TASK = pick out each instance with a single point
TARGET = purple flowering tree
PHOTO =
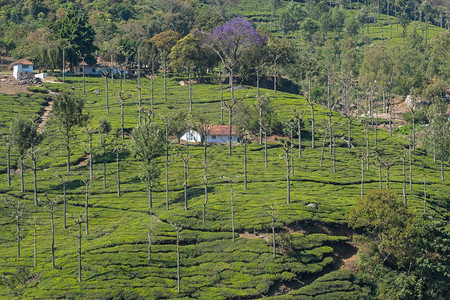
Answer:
(230, 40)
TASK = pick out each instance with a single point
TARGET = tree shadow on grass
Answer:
(192, 193)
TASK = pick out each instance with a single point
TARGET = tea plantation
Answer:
(115, 259)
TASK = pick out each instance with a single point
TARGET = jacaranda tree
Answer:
(230, 40)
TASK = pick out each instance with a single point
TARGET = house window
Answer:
(24, 67)
(213, 137)
(93, 70)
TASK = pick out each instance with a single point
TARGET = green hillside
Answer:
(114, 254)
(300, 230)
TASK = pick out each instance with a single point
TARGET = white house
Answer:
(96, 69)
(219, 134)
(191, 136)
(22, 65)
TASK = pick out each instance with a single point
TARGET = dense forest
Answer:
(336, 189)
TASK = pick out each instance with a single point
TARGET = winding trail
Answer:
(45, 116)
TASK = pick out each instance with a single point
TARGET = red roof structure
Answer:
(222, 130)
(23, 61)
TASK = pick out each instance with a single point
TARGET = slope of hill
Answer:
(115, 252)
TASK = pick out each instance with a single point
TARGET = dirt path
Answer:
(45, 116)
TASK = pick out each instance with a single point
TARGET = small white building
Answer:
(22, 65)
(220, 133)
(97, 69)
(217, 134)
(191, 136)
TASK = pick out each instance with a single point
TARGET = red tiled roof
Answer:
(222, 130)
(22, 61)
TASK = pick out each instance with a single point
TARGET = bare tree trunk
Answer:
(292, 150)
(349, 135)
(122, 117)
(152, 81)
(106, 90)
(424, 194)
(104, 166)
(84, 82)
(323, 145)
(185, 185)
(299, 138)
(91, 175)
(387, 176)
(149, 246)
(35, 245)
(86, 207)
(328, 90)
(380, 178)
(367, 146)
(178, 261)
(260, 123)
(331, 138)
(334, 151)
(390, 116)
(404, 182)
(442, 165)
(79, 251)
(8, 163)
(265, 147)
(245, 166)
(18, 228)
(165, 81)
(118, 173)
(112, 70)
(64, 204)
(362, 177)
(288, 200)
(190, 89)
(413, 130)
(257, 84)
(205, 165)
(273, 233)
(139, 103)
(232, 210)
(434, 151)
(149, 191)
(64, 65)
(410, 167)
(21, 174)
(167, 166)
(231, 84)
(376, 132)
(68, 150)
(312, 113)
(53, 238)
(33, 156)
(221, 94)
(275, 77)
(230, 116)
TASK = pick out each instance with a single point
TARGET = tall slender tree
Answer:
(22, 132)
(147, 144)
(51, 208)
(68, 112)
(104, 128)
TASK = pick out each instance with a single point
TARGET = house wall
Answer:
(21, 68)
(192, 137)
(220, 139)
(96, 70)
(16, 70)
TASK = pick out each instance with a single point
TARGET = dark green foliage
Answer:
(17, 281)
(75, 28)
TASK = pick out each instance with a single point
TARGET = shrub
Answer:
(37, 89)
